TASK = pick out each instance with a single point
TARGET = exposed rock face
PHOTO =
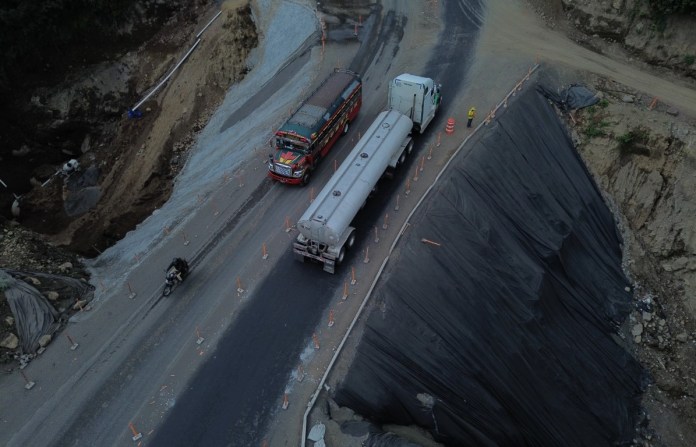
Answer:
(644, 161)
(668, 42)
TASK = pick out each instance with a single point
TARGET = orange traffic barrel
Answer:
(449, 128)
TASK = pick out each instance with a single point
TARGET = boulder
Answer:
(33, 280)
(9, 320)
(44, 340)
(317, 432)
(80, 305)
(637, 330)
(10, 341)
(64, 267)
(52, 295)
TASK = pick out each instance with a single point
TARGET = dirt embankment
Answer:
(641, 28)
(642, 154)
(127, 165)
(131, 163)
(640, 31)
(643, 157)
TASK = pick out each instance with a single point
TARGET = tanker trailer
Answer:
(325, 228)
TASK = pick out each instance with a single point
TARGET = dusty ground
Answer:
(642, 156)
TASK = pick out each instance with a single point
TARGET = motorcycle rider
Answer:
(179, 268)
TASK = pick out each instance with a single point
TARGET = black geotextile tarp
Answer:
(501, 335)
(573, 97)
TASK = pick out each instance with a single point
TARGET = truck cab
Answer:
(416, 97)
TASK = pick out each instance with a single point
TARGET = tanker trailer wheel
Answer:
(351, 240)
(409, 148)
(402, 158)
(341, 255)
(346, 127)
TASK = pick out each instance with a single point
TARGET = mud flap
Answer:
(329, 266)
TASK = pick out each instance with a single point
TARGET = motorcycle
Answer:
(173, 279)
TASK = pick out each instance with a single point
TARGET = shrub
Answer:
(634, 141)
(596, 122)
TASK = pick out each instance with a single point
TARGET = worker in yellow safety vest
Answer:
(470, 116)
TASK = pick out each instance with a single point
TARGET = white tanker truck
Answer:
(325, 228)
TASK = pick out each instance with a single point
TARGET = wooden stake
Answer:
(73, 344)
(136, 435)
(28, 384)
(300, 373)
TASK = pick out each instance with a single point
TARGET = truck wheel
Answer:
(305, 178)
(409, 148)
(402, 158)
(346, 127)
(341, 255)
(351, 240)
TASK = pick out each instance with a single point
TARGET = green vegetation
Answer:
(669, 7)
(635, 141)
(596, 120)
(661, 9)
(689, 59)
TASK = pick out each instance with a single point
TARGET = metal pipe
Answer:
(167, 77)
(209, 23)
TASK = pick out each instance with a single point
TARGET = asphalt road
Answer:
(181, 393)
(233, 394)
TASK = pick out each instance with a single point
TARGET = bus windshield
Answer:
(288, 144)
